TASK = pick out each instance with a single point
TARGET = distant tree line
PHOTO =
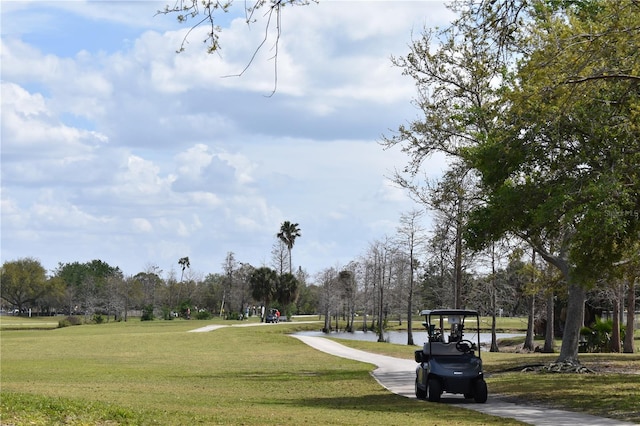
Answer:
(389, 283)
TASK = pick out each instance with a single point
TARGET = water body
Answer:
(400, 337)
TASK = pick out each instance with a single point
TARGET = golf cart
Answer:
(273, 316)
(448, 363)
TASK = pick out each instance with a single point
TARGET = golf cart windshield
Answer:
(451, 325)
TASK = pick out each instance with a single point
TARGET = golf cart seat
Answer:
(439, 348)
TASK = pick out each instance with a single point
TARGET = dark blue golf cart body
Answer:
(448, 361)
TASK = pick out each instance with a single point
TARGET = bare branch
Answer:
(187, 10)
(574, 80)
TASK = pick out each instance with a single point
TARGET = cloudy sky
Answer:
(115, 147)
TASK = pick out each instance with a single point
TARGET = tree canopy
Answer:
(23, 282)
(563, 162)
(288, 233)
(541, 101)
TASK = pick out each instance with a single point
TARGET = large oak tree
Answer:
(541, 99)
(562, 162)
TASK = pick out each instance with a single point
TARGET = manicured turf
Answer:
(158, 373)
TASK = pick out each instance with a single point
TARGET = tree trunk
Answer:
(628, 346)
(494, 340)
(577, 296)
(494, 307)
(327, 321)
(528, 340)
(573, 323)
(409, 314)
(615, 328)
(457, 296)
(549, 330)
(381, 337)
(380, 312)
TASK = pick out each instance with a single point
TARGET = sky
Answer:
(116, 147)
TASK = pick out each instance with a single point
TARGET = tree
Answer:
(288, 234)
(561, 162)
(540, 99)
(631, 274)
(493, 282)
(242, 292)
(628, 344)
(458, 98)
(450, 199)
(379, 257)
(347, 284)
(210, 291)
(229, 266)
(23, 282)
(531, 290)
(263, 283)
(308, 299)
(279, 256)
(287, 288)
(411, 236)
(327, 280)
(184, 264)
(118, 293)
(150, 283)
(87, 284)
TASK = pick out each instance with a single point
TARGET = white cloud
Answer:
(120, 149)
(140, 224)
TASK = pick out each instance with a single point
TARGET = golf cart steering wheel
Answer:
(464, 346)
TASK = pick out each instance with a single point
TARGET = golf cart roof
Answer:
(444, 312)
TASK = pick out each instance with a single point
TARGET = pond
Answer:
(400, 337)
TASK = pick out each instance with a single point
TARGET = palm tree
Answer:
(288, 234)
(263, 285)
(184, 262)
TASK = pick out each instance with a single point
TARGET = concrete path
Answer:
(398, 376)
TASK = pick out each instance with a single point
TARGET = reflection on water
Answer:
(400, 337)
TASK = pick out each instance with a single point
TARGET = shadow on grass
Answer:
(449, 408)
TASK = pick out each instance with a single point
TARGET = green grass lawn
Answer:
(10, 322)
(613, 391)
(156, 372)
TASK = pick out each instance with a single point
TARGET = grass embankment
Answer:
(156, 372)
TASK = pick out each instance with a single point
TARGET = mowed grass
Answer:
(613, 391)
(11, 322)
(159, 373)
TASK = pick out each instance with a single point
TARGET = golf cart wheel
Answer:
(434, 390)
(420, 393)
(480, 392)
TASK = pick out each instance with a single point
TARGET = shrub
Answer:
(98, 318)
(203, 315)
(167, 314)
(598, 337)
(147, 313)
(69, 321)
(233, 316)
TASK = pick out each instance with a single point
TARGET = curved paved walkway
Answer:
(398, 375)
